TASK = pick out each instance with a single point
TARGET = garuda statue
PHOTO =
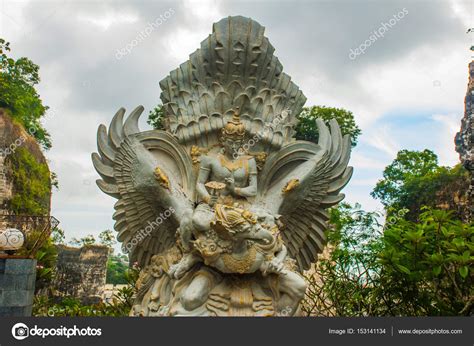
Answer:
(223, 209)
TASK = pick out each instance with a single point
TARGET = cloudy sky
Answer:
(406, 90)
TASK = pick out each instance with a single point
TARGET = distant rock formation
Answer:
(465, 138)
(81, 272)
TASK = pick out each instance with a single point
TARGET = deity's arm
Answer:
(204, 172)
(281, 255)
(251, 189)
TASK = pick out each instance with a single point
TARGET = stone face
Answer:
(81, 272)
(17, 286)
(465, 137)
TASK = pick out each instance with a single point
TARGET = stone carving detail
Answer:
(465, 138)
(229, 242)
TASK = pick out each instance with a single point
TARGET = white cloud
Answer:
(449, 125)
(380, 137)
(368, 182)
(464, 10)
(107, 19)
(360, 161)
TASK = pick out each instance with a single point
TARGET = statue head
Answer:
(232, 134)
(233, 222)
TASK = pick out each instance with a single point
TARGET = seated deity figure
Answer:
(236, 171)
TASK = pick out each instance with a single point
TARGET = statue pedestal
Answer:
(226, 294)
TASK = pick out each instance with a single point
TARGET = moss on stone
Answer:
(31, 184)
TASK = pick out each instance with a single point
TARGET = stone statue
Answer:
(223, 209)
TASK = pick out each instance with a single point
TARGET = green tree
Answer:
(407, 165)
(18, 94)
(404, 268)
(57, 236)
(414, 180)
(87, 240)
(156, 117)
(445, 188)
(342, 282)
(426, 266)
(46, 258)
(107, 238)
(308, 131)
(117, 267)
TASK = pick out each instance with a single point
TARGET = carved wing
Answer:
(300, 182)
(151, 176)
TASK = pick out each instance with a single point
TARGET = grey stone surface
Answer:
(31, 280)
(17, 298)
(17, 311)
(17, 287)
(19, 266)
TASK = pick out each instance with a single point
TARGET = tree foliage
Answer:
(156, 118)
(308, 131)
(446, 188)
(84, 241)
(405, 268)
(427, 266)
(414, 180)
(107, 238)
(339, 284)
(18, 94)
(117, 267)
(407, 165)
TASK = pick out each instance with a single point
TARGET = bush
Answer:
(405, 268)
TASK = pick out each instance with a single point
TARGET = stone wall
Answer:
(17, 286)
(465, 138)
(81, 272)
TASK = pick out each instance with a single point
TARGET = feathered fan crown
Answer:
(235, 67)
